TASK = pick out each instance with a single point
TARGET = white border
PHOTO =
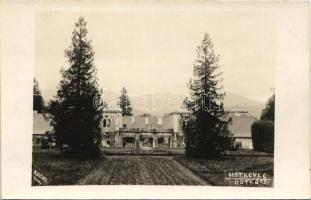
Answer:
(292, 154)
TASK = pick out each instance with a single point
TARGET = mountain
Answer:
(237, 101)
(233, 99)
(159, 104)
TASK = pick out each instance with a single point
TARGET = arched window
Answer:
(108, 123)
(105, 123)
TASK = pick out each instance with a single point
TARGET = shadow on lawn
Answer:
(61, 169)
(215, 171)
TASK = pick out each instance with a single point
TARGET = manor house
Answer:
(147, 131)
(143, 131)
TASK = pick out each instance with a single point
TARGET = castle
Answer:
(143, 131)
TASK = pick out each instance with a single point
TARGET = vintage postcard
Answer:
(141, 93)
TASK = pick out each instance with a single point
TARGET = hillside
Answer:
(161, 103)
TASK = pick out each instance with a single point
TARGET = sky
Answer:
(155, 50)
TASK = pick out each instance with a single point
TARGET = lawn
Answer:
(146, 169)
(214, 171)
(61, 170)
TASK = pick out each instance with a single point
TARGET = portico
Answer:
(146, 139)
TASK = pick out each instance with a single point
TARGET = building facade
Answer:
(41, 126)
(142, 131)
(240, 129)
(147, 131)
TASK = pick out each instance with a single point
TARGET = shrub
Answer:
(263, 135)
(45, 143)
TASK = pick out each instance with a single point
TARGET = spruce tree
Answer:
(38, 101)
(125, 103)
(206, 129)
(75, 117)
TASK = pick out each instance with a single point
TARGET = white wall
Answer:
(246, 143)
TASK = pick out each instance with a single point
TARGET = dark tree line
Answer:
(38, 101)
(268, 111)
(263, 129)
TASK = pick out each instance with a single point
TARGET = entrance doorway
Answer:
(163, 142)
(128, 142)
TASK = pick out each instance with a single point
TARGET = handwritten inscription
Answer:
(39, 178)
(248, 179)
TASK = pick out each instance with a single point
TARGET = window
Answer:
(146, 120)
(160, 121)
(106, 123)
(124, 125)
(237, 114)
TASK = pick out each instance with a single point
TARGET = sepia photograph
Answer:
(154, 98)
(140, 99)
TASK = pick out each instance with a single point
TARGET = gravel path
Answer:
(141, 170)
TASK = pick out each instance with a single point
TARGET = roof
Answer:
(237, 109)
(140, 122)
(180, 112)
(241, 126)
(113, 110)
(40, 125)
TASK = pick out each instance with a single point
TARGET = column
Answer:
(170, 141)
(137, 141)
(120, 141)
(156, 141)
(175, 140)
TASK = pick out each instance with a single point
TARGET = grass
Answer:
(147, 169)
(61, 170)
(214, 171)
(112, 170)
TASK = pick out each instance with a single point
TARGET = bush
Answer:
(88, 146)
(263, 135)
(45, 143)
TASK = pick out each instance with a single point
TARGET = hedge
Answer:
(263, 135)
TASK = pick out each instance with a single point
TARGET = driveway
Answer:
(141, 170)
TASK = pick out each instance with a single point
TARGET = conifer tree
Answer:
(125, 103)
(206, 129)
(38, 101)
(74, 117)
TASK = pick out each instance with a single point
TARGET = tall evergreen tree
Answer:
(38, 101)
(206, 129)
(74, 117)
(125, 103)
(268, 112)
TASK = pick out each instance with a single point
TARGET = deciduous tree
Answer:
(268, 112)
